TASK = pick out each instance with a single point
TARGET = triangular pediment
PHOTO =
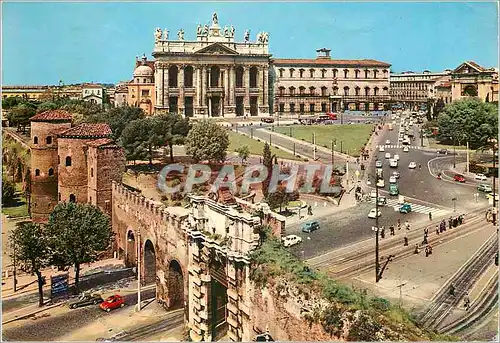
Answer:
(467, 68)
(216, 49)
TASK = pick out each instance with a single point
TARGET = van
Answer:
(310, 227)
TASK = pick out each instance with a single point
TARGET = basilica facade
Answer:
(214, 75)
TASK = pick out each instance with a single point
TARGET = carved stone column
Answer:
(197, 86)
(203, 90)
(180, 99)
(246, 86)
(263, 92)
(165, 88)
(158, 86)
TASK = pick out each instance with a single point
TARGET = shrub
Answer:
(380, 304)
(8, 191)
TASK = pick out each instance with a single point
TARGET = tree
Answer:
(10, 102)
(468, 120)
(243, 153)
(177, 130)
(267, 161)
(438, 108)
(20, 115)
(117, 118)
(77, 234)
(47, 105)
(29, 248)
(8, 191)
(140, 137)
(207, 141)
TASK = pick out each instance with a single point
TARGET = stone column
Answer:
(203, 89)
(266, 87)
(232, 85)
(158, 85)
(165, 88)
(246, 86)
(197, 88)
(180, 99)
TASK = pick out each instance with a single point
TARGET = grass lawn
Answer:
(237, 140)
(433, 143)
(19, 208)
(353, 137)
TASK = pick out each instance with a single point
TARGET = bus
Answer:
(325, 118)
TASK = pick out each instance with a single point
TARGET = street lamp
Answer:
(334, 141)
(454, 154)
(454, 204)
(376, 229)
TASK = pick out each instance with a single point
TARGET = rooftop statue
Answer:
(165, 34)
(157, 34)
(215, 19)
(199, 30)
(205, 30)
(232, 31)
(247, 36)
(180, 34)
(226, 31)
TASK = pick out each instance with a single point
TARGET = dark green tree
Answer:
(8, 191)
(207, 141)
(29, 247)
(47, 105)
(117, 118)
(243, 153)
(77, 233)
(10, 102)
(267, 161)
(20, 115)
(468, 120)
(177, 130)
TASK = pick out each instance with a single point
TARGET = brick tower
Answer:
(44, 161)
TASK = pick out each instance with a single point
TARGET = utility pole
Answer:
(454, 154)
(269, 139)
(377, 264)
(340, 146)
(333, 154)
(467, 146)
(421, 137)
(14, 263)
(138, 271)
(251, 132)
(400, 286)
(294, 149)
(314, 146)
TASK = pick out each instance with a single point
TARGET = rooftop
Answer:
(319, 61)
(101, 142)
(52, 115)
(88, 130)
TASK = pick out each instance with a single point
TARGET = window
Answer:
(51, 172)
(253, 77)
(48, 140)
(346, 90)
(282, 91)
(145, 92)
(312, 91)
(356, 90)
(37, 172)
(356, 73)
(367, 73)
(375, 91)
(323, 73)
(291, 72)
(323, 107)
(302, 90)
(68, 161)
(335, 90)
(302, 108)
(335, 73)
(90, 200)
(58, 159)
(311, 108)
(375, 72)
(301, 73)
(311, 72)
(59, 196)
(367, 90)
(281, 72)
(72, 198)
(323, 91)
(35, 140)
(239, 76)
(91, 172)
(282, 107)
(292, 107)
(346, 73)
(292, 90)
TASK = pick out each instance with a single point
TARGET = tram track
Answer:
(443, 302)
(347, 262)
(478, 312)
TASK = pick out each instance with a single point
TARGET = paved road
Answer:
(53, 327)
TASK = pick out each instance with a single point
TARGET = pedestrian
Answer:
(417, 249)
(382, 232)
(407, 224)
(452, 290)
(450, 222)
(430, 249)
(430, 215)
(426, 232)
(309, 210)
(424, 242)
(426, 251)
(466, 301)
(455, 222)
(437, 230)
(406, 241)
(399, 225)
(460, 220)
(392, 230)
(419, 166)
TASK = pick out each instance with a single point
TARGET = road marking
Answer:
(415, 207)
(399, 146)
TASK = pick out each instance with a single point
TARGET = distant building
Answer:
(141, 90)
(472, 80)
(93, 93)
(121, 95)
(25, 92)
(308, 86)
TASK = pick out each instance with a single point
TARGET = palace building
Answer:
(471, 80)
(214, 75)
(307, 86)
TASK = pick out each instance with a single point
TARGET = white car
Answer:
(400, 139)
(481, 177)
(381, 148)
(392, 179)
(412, 165)
(380, 183)
(395, 174)
(387, 142)
(291, 240)
(387, 155)
(406, 149)
(396, 157)
(373, 194)
(373, 213)
(393, 163)
(378, 164)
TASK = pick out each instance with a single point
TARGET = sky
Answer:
(43, 43)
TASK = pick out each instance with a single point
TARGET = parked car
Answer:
(481, 177)
(381, 148)
(459, 178)
(291, 240)
(373, 213)
(392, 179)
(393, 163)
(373, 194)
(310, 227)
(393, 189)
(396, 157)
(484, 188)
(387, 155)
(112, 302)
(267, 120)
(380, 183)
(378, 164)
(396, 174)
(405, 208)
(387, 142)
(412, 165)
(443, 151)
(85, 300)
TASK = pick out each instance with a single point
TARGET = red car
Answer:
(112, 302)
(459, 178)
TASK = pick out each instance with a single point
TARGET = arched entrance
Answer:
(149, 263)
(470, 90)
(131, 257)
(175, 284)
